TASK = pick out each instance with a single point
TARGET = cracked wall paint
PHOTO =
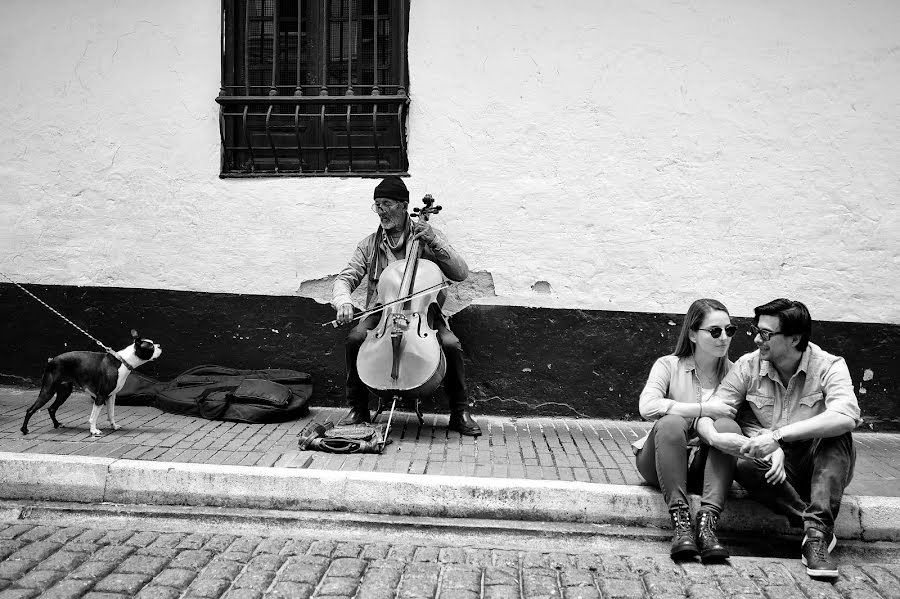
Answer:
(868, 375)
(479, 285)
(625, 157)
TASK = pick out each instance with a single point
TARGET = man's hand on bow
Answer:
(345, 313)
(761, 445)
(422, 230)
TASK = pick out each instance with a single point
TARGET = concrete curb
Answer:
(94, 480)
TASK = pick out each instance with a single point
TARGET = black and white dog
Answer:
(98, 373)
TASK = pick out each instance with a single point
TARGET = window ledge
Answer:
(226, 100)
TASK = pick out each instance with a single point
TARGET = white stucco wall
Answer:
(633, 155)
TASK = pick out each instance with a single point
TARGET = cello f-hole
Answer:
(422, 328)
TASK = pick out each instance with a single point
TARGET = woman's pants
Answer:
(663, 462)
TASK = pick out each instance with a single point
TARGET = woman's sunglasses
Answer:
(716, 332)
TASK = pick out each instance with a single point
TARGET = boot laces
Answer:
(682, 521)
(708, 523)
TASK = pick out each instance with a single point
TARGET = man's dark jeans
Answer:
(454, 379)
(818, 471)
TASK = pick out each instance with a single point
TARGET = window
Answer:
(313, 87)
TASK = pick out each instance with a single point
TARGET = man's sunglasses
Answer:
(716, 332)
(763, 334)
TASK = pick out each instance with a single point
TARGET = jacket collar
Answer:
(385, 240)
(767, 369)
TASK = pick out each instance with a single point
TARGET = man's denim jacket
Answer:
(822, 383)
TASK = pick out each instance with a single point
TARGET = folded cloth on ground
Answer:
(351, 438)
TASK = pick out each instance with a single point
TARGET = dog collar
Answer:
(121, 359)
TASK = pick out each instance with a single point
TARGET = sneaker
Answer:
(816, 553)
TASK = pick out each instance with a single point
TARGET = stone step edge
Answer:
(85, 479)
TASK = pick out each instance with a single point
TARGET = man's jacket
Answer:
(374, 253)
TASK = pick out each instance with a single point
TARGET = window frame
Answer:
(275, 127)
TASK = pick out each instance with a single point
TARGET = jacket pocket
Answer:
(812, 399)
(763, 406)
(810, 405)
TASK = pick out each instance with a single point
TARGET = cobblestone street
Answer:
(100, 562)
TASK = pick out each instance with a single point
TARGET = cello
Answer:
(402, 357)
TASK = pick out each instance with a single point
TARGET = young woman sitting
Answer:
(678, 394)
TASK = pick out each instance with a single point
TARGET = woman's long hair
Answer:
(684, 347)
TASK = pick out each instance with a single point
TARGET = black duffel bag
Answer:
(222, 393)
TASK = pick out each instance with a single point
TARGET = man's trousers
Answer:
(818, 471)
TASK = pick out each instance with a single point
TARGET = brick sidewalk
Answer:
(595, 451)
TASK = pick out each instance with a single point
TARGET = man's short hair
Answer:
(793, 318)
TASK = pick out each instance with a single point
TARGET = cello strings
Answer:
(437, 286)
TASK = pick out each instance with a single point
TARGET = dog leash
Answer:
(108, 349)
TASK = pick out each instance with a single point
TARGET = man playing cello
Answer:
(386, 245)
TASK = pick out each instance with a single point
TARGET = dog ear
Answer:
(134, 335)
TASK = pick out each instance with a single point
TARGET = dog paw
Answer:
(95, 432)
(114, 426)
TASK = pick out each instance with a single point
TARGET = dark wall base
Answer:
(520, 361)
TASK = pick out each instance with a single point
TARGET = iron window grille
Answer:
(313, 88)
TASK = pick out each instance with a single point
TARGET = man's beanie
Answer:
(392, 188)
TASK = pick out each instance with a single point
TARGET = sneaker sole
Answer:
(819, 573)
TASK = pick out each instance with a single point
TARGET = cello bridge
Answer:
(400, 323)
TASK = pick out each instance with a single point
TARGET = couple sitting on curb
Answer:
(779, 420)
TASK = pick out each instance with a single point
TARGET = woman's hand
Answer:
(715, 408)
(776, 474)
(729, 443)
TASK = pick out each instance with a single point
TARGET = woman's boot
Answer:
(711, 550)
(683, 545)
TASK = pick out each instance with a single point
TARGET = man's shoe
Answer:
(356, 416)
(816, 553)
(711, 550)
(463, 423)
(683, 545)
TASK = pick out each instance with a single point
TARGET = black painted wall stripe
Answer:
(520, 361)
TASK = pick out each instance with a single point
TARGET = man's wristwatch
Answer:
(777, 434)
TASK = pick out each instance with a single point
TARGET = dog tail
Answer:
(49, 370)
